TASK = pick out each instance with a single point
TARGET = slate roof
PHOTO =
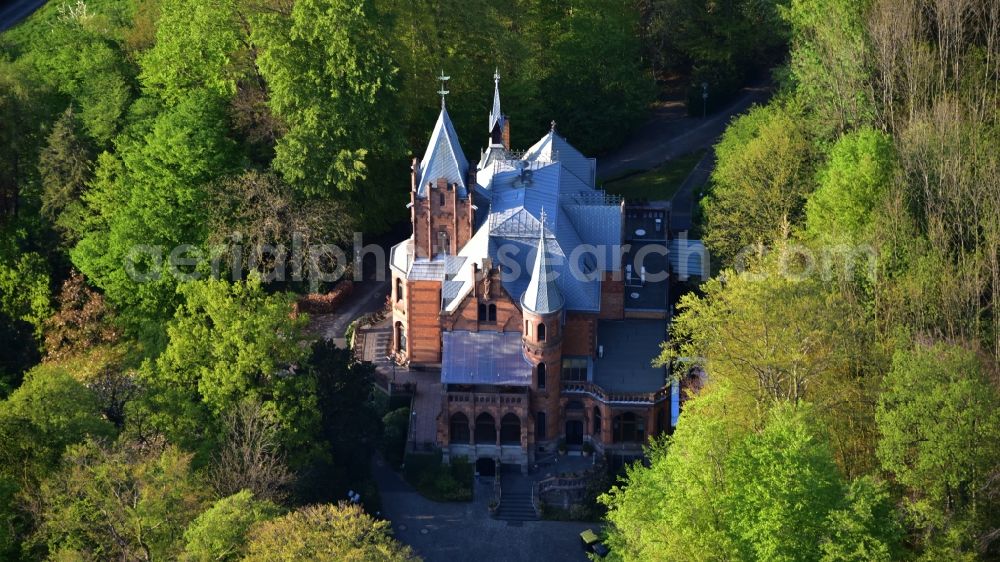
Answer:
(510, 193)
(485, 357)
(542, 296)
(554, 148)
(443, 158)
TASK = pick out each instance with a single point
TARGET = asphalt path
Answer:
(14, 11)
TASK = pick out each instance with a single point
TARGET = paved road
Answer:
(455, 532)
(13, 12)
(669, 134)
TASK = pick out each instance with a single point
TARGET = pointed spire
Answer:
(443, 158)
(542, 295)
(496, 116)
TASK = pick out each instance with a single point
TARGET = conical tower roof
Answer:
(542, 295)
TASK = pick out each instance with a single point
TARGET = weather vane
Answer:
(444, 82)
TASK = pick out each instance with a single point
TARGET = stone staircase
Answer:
(515, 499)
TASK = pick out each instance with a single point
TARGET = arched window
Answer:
(400, 338)
(441, 199)
(510, 430)
(482, 312)
(540, 426)
(597, 421)
(541, 331)
(541, 375)
(492, 313)
(486, 429)
(459, 431)
(399, 289)
(527, 329)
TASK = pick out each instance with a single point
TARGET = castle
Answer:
(513, 286)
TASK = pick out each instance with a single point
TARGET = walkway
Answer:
(668, 134)
(16, 11)
(449, 532)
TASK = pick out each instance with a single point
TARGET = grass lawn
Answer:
(657, 184)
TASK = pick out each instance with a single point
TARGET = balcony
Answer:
(632, 398)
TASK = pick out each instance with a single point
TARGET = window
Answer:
(541, 375)
(574, 369)
(628, 428)
(540, 426)
(486, 429)
(527, 329)
(399, 289)
(441, 199)
(597, 421)
(443, 242)
(492, 313)
(459, 428)
(482, 312)
(541, 331)
(510, 430)
(400, 338)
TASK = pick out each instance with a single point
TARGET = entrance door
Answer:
(574, 432)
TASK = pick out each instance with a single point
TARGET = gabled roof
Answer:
(443, 158)
(542, 295)
(554, 148)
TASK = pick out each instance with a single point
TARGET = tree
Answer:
(866, 528)
(64, 167)
(80, 59)
(148, 200)
(673, 509)
(939, 420)
(250, 457)
(257, 217)
(84, 320)
(759, 184)
(854, 182)
(720, 490)
(219, 534)
(198, 45)
(340, 122)
(41, 418)
(783, 484)
(325, 532)
(126, 502)
(229, 343)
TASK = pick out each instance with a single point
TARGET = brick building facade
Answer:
(512, 285)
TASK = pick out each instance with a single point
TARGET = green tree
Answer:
(220, 533)
(720, 489)
(45, 414)
(198, 45)
(854, 182)
(340, 121)
(939, 419)
(149, 199)
(79, 58)
(64, 168)
(129, 501)
(325, 532)
(831, 62)
(760, 181)
(229, 342)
